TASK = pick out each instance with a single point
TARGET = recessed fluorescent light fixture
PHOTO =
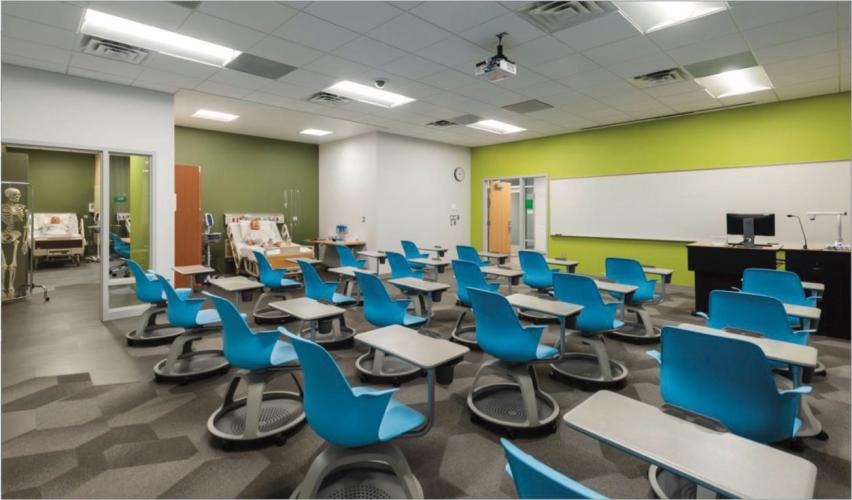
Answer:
(648, 17)
(496, 127)
(215, 115)
(369, 95)
(101, 25)
(315, 131)
(735, 82)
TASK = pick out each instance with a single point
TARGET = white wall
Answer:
(347, 187)
(50, 108)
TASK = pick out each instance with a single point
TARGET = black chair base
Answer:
(537, 318)
(191, 366)
(666, 484)
(148, 332)
(392, 371)
(584, 372)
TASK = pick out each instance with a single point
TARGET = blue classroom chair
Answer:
(468, 275)
(534, 479)
(347, 258)
(469, 254)
(275, 285)
(401, 268)
(785, 286)
(150, 290)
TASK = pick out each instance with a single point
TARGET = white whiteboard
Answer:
(691, 205)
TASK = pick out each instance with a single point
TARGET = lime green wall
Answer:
(241, 173)
(140, 210)
(61, 181)
(803, 130)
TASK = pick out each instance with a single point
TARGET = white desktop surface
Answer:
(419, 285)
(307, 309)
(408, 345)
(551, 307)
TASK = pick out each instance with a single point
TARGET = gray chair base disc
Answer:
(280, 412)
(195, 364)
(271, 315)
(501, 405)
(667, 484)
(394, 370)
(330, 342)
(362, 482)
(537, 318)
(634, 333)
(466, 336)
(585, 369)
(159, 334)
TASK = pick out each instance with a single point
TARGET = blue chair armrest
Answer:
(402, 304)
(657, 355)
(369, 392)
(535, 330)
(804, 389)
(805, 331)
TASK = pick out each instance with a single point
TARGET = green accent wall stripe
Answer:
(798, 131)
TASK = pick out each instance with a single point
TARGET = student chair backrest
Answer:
(243, 349)
(627, 271)
(379, 308)
(726, 379)
(347, 258)
(409, 248)
(596, 315)
(400, 267)
(534, 479)
(498, 330)
(267, 274)
(331, 408)
(755, 313)
(468, 253)
(315, 287)
(148, 288)
(468, 275)
(180, 312)
(785, 286)
(536, 272)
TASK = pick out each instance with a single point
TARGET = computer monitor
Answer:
(751, 225)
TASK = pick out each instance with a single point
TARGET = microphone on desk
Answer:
(804, 237)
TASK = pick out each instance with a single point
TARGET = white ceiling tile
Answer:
(809, 75)
(617, 94)
(261, 16)
(59, 14)
(165, 15)
(430, 110)
(454, 51)
(315, 32)
(605, 116)
(573, 100)
(538, 51)
(370, 52)
(180, 66)
(643, 65)
(761, 97)
(705, 28)
(624, 50)
(590, 78)
(405, 4)
(103, 65)
(489, 93)
(458, 16)
(240, 79)
(289, 90)
(711, 49)
(803, 63)
(158, 87)
(33, 63)
(357, 16)
(544, 89)
(807, 89)
(673, 88)
(97, 75)
(22, 48)
(162, 79)
(689, 100)
(223, 89)
(524, 78)
(44, 34)
(603, 30)
(485, 34)
(449, 79)
(752, 14)
(270, 99)
(798, 48)
(336, 66)
(573, 64)
(844, 14)
(284, 51)
(816, 23)
(845, 82)
(411, 66)
(410, 88)
(308, 79)
(215, 30)
(645, 109)
(408, 33)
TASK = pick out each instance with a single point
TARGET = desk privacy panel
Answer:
(691, 205)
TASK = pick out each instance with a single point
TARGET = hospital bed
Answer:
(238, 229)
(58, 236)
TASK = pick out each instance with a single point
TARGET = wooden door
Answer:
(499, 217)
(188, 219)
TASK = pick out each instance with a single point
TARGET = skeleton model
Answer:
(16, 233)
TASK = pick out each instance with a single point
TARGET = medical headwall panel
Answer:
(691, 205)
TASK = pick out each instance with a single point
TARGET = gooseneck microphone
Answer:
(805, 246)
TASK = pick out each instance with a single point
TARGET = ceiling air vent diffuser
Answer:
(441, 123)
(557, 16)
(657, 78)
(114, 50)
(328, 99)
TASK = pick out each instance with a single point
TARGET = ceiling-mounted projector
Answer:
(498, 67)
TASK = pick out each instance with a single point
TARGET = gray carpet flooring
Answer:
(83, 418)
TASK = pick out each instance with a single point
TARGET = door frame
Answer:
(108, 314)
(485, 182)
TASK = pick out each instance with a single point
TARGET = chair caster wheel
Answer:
(362, 378)
(280, 440)
(47, 299)
(795, 445)
(554, 426)
(552, 375)
(511, 434)
(822, 436)
(395, 384)
(131, 343)
(227, 446)
(183, 381)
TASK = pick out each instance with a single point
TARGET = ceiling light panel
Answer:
(648, 17)
(496, 127)
(101, 25)
(315, 131)
(736, 82)
(218, 116)
(367, 94)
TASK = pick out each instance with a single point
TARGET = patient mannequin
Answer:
(256, 237)
(55, 226)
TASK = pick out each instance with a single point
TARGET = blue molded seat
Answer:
(785, 286)
(120, 247)
(755, 313)
(317, 289)
(469, 275)
(372, 415)
(597, 315)
(536, 272)
(148, 287)
(534, 479)
(401, 268)
(469, 254)
(500, 333)
(379, 308)
(246, 349)
(630, 272)
(186, 312)
(729, 380)
(347, 258)
(409, 248)
(272, 278)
